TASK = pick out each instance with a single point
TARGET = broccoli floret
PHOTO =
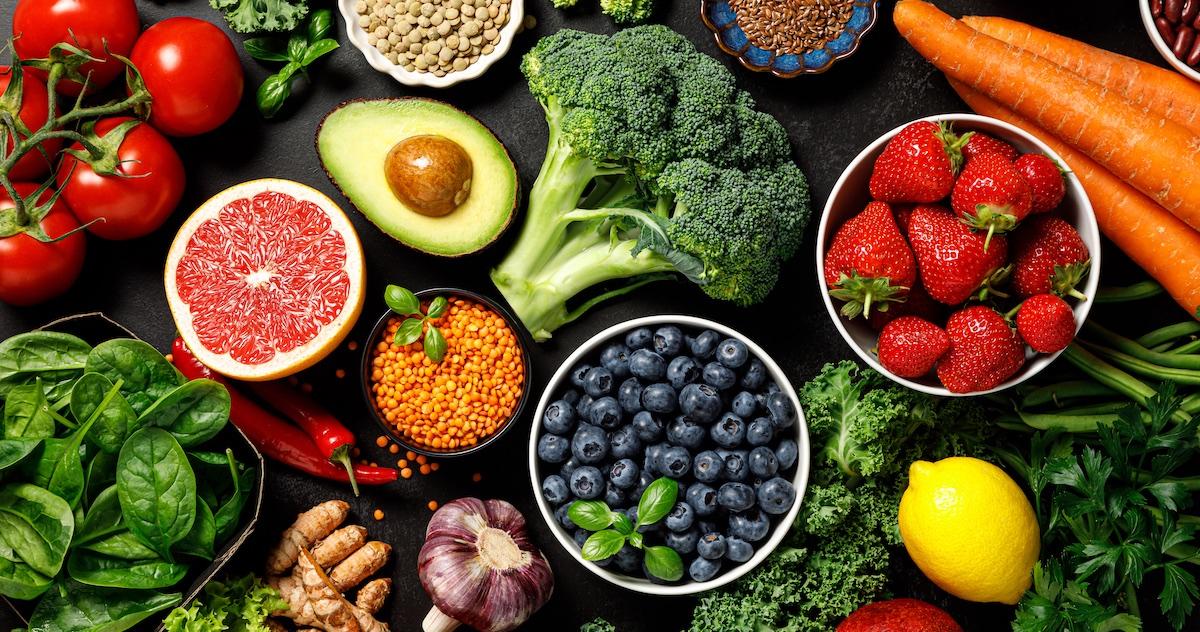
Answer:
(657, 166)
(627, 11)
(565, 4)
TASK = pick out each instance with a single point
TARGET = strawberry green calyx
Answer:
(1067, 278)
(994, 219)
(861, 294)
(988, 288)
(953, 144)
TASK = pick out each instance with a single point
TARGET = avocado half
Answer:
(354, 141)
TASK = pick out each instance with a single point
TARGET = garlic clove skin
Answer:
(480, 568)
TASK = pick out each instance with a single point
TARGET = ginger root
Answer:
(316, 562)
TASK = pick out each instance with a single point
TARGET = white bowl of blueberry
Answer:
(686, 421)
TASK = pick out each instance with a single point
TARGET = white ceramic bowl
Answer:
(358, 36)
(781, 524)
(1162, 46)
(850, 195)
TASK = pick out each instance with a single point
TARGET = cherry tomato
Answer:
(136, 201)
(32, 271)
(35, 106)
(89, 24)
(192, 70)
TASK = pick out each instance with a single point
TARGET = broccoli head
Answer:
(656, 166)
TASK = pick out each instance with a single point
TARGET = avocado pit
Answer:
(429, 174)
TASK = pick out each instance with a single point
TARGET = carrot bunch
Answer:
(1130, 131)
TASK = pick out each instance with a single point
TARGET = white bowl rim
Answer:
(1161, 45)
(780, 529)
(358, 36)
(1035, 362)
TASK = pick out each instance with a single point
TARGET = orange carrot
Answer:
(1165, 92)
(1158, 157)
(1163, 246)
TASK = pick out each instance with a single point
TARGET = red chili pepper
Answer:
(332, 438)
(275, 437)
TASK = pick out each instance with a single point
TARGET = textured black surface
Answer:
(829, 118)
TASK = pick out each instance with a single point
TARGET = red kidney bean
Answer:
(1165, 29)
(1183, 42)
(1191, 9)
(1156, 7)
(1173, 10)
(1193, 58)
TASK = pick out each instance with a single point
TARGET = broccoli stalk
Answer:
(656, 167)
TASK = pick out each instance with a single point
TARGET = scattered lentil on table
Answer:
(459, 401)
(792, 26)
(438, 37)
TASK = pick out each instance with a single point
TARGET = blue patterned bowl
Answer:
(722, 20)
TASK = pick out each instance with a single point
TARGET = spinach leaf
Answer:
(194, 412)
(201, 540)
(210, 459)
(147, 374)
(157, 488)
(63, 472)
(110, 572)
(101, 473)
(102, 519)
(35, 530)
(13, 451)
(116, 419)
(73, 607)
(26, 356)
(227, 517)
(27, 414)
(121, 545)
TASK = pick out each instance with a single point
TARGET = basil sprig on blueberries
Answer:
(109, 495)
(656, 502)
(658, 409)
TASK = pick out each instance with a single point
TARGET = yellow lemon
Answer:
(970, 529)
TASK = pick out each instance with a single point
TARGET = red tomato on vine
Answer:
(35, 105)
(92, 25)
(31, 270)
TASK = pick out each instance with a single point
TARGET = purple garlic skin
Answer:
(479, 566)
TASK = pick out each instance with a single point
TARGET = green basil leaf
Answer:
(26, 356)
(37, 527)
(194, 412)
(13, 451)
(296, 46)
(27, 413)
(664, 563)
(72, 606)
(409, 331)
(110, 572)
(265, 49)
(318, 49)
(401, 300)
(157, 489)
(102, 520)
(435, 344)
(121, 544)
(320, 25)
(657, 501)
(201, 540)
(117, 420)
(592, 515)
(602, 545)
(635, 539)
(437, 307)
(621, 523)
(272, 93)
(147, 375)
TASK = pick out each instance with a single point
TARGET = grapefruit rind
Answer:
(284, 363)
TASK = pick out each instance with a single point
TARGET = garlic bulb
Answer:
(480, 568)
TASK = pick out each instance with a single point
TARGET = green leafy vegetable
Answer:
(201, 540)
(46, 354)
(62, 466)
(405, 303)
(27, 413)
(116, 420)
(194, 412)
(89, 568)
(602, 545)
(13, 451)
(256, 16)
(157, 489)
(145, 374)
(597, 625)
(654, 505)
(73, 607)
(656, 502)
(121, 545)
(664, 562)
(657, 166)
(592, 515)
(102, 519)
(239, 605)
(35, 531)
(300, 51)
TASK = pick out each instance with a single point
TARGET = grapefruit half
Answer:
(265, 279)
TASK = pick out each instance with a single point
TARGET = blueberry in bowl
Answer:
(687, 420)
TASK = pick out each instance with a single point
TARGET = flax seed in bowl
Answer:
(789, 37)
(461, 404)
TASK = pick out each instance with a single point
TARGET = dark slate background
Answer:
(829, 117)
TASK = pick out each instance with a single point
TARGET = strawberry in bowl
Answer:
(956, 254)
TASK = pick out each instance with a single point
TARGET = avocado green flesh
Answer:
(354, 141)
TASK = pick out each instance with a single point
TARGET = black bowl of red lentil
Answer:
(462, 404)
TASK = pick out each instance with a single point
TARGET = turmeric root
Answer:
(360, 565)
(330, 608)
(372, 595)
(310, 526)
(338, 545)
